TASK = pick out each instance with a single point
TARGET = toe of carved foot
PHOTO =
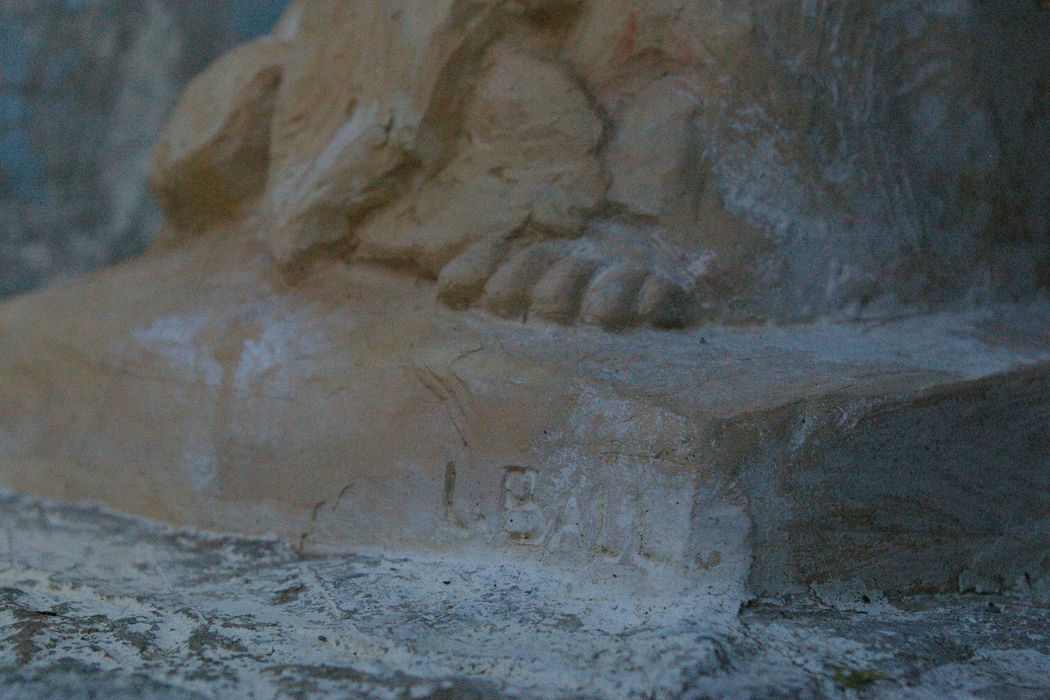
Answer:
(553, 283)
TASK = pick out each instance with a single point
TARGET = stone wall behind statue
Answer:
(85, 86)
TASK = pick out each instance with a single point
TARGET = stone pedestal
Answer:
(351, 410)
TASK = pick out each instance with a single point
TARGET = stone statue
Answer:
(391, 225)
(626, 163)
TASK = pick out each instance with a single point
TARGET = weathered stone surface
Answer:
(776, 159)
(452, 278)
(94, 605)
(205, 166)
(217, 393)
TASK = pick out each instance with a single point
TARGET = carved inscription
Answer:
(520, 514)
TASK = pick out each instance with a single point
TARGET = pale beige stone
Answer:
(213, 154)
(351, 409)
(457, 283)
(674, 135)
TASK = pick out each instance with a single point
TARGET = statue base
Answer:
(349, 411)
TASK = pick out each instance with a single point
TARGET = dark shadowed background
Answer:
(85, 86)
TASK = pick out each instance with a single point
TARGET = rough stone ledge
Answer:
(94, 604)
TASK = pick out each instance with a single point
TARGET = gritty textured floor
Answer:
(97, 605)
